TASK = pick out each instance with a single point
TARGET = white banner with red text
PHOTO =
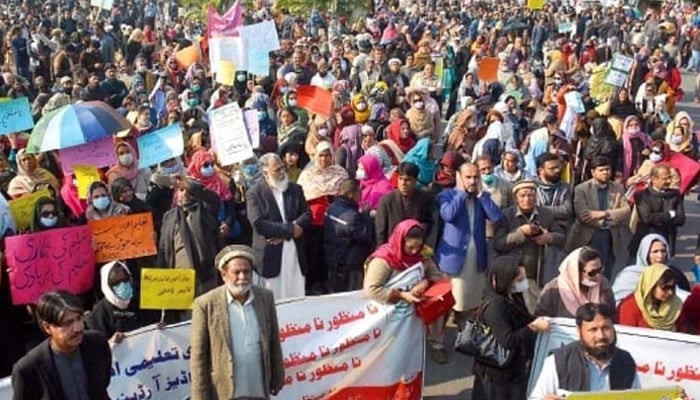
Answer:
(663, 358)
(334, 347)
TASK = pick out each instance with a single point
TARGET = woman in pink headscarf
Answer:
(580, 281)
(635, 143)
(372, 180)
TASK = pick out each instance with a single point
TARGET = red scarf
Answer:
(392, 251)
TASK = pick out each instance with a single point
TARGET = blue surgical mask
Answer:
(488, 179)
(48, 222)
(170, 170)
(250, 169)
(207, 171)
(101, 203)
(192, 102)
(262, 115)
(196, 88)
(123, 290)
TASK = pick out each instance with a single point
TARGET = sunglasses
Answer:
(668, 288)
(594, 272)
(48, 214)
(208, 164)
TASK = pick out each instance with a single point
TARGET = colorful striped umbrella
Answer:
(75, 124)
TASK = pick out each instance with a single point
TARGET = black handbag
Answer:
(476, 340)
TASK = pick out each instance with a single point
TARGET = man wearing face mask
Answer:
(499, 189)
(526, 231)
(591, 364)
(241, 319)
(659, 209)
(279, 215)
(190, 233)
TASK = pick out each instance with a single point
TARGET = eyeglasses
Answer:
(208, 164)
(594, 272)
(47, 214)
(668, 288)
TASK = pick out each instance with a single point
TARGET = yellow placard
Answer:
(226, 72)
(167, 288)
(22, 209)
(86, 175)
(667, 393)
(535, 4)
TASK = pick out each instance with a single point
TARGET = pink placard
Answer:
(55, 259)
(98, 154)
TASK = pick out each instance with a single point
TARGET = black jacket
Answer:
(108, 319)
(391, 211)
(508, 320)
(267, 222)
(572, 370)
(653, 210)
(348, 236)
(35, 375)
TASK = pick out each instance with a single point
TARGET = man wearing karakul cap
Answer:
(525, 231)
(236, 351)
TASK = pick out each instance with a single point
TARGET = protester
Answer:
(101, 205)
(229, 361)
(654, 303)
(127, 167)
(29, 176)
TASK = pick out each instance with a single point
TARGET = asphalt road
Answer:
(454, 380)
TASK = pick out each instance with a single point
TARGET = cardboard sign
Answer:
(315, 100)
(99, 153)
(535, 4)
(225, 72)
(86, 175)
(161, 145)
(229, 136)
(22, 209)
(167, 288)
(15, 116)
(188, 56)
(121, 238)
(231, 49)
(488, 69)
(53, 259)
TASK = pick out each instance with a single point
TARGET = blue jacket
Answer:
(451, 251)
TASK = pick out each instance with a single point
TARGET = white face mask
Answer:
(292, 103)
(677, 140)
(361, 106)
(521, 286)
(655, 157)
(360, 174)
(323, 132)
(419, 105)
(589, 283)
(126, 159)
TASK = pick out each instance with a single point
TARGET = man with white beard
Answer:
(279, 215)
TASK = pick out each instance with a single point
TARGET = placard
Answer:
(252, 125)
(225, 72)
(488, 69)
(86, 175)
(228, 49)
(574, 100)
(670, 393)
(315, 99)
(565, 27)
(535, 4)
(6, 220)
(22, 209)
(121, 238)
(15, 116)
(616, 78)
(99, 153)
(229, 135)
(53, 259)
(261, 36)
(161, 145)
(188, 56)
(622, 63)
(167, 288)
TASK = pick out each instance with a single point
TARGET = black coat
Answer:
(265, 217)
(35, 375)
(108, 319)
(653, 210)
(348, 236)
(391, 211)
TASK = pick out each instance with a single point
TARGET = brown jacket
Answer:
(211, 363)
(585, 200)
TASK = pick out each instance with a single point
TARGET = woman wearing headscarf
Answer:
(635, 142)
(294, 158)
(29, 176)
(494, 141)
(116, 313)
(464, 133)
(420, 119)
(580, 281)
(679, 134)
(654, 303)
(504, 312)
(446, 173)
(47, 215)
(123, 192)
(290, 128)
(360, 108)
(349, 150)
(320, 129)
(601, 143)
(289, 102)
(622, 105)
(420, 156)
(404, 249)
(69, 195)
(127, 167)
(401, 135)
(373, 182)
(101, 205)
(6, 173)
(320, 181)
(652, 249)
(660, 153)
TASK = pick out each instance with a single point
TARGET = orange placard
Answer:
(315, 100)
(188, 56)
(488, 69)
(121, 238)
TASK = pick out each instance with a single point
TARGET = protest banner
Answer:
(225, 72)
(349, 347)
(227, 24)
(260, 39)
(121, 238)
(535, 4)
(161, 145)
(22, 209)
(6, 220)
(675, 359)
(565, 27)
(574, 100)
(253, 126)
(59, 258)
(229, 136)
(488, 69)
(315, 100)
(15, 116)
(99, 153)
(258, 62)
(231, 49)
(86, 175)
(102, 4)
(188, 56)
(670, 393)
(619, 70)
(167, 288)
